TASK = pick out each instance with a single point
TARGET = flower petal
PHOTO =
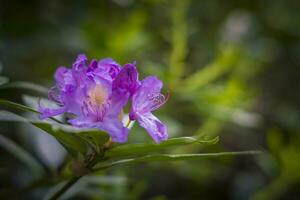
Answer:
(82, 122)
(148, 97)
(118, 100)
(109, 65)
(157, 130)
(127, 79)
(125, 84)
(53, 95)
(64, 77)
(112, 126)
(115, 128)
(50, 112)
(150, 85)
(72, 99)
(106, 68)
(80, 62)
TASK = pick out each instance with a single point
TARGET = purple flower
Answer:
(145, 100)
(87, 92)
(106, 68)
(127, 80)
(95, 94)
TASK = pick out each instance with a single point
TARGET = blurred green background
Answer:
(231, 67)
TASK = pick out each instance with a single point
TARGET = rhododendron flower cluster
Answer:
(96, 92)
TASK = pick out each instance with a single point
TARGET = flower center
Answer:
(98, 95)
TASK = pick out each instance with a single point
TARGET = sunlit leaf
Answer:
(67, 138)
(22, 107)
(17, 106)
(65, 134)
(22, 155)
(89, 135)
(171, 157)
(33, 102)
(146, 148)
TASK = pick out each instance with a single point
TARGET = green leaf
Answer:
(17, 106)
(171, 157)
(65, 134)
(89, 135)
(97, 137)
(25, 157)
(67, 137)
(3, 80)
(146, 148)
(27, 86)
(22, 108)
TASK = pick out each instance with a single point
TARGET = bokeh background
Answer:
(231, 67)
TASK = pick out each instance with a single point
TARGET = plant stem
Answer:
(128, 123)
(60, 192)
(74, 179)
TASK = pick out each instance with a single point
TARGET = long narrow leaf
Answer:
(69, 139)
(146, 148)
(171, 157)
(22, 155)
(65, 134)
(22, 108)
(17, 106)
(90, 135)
